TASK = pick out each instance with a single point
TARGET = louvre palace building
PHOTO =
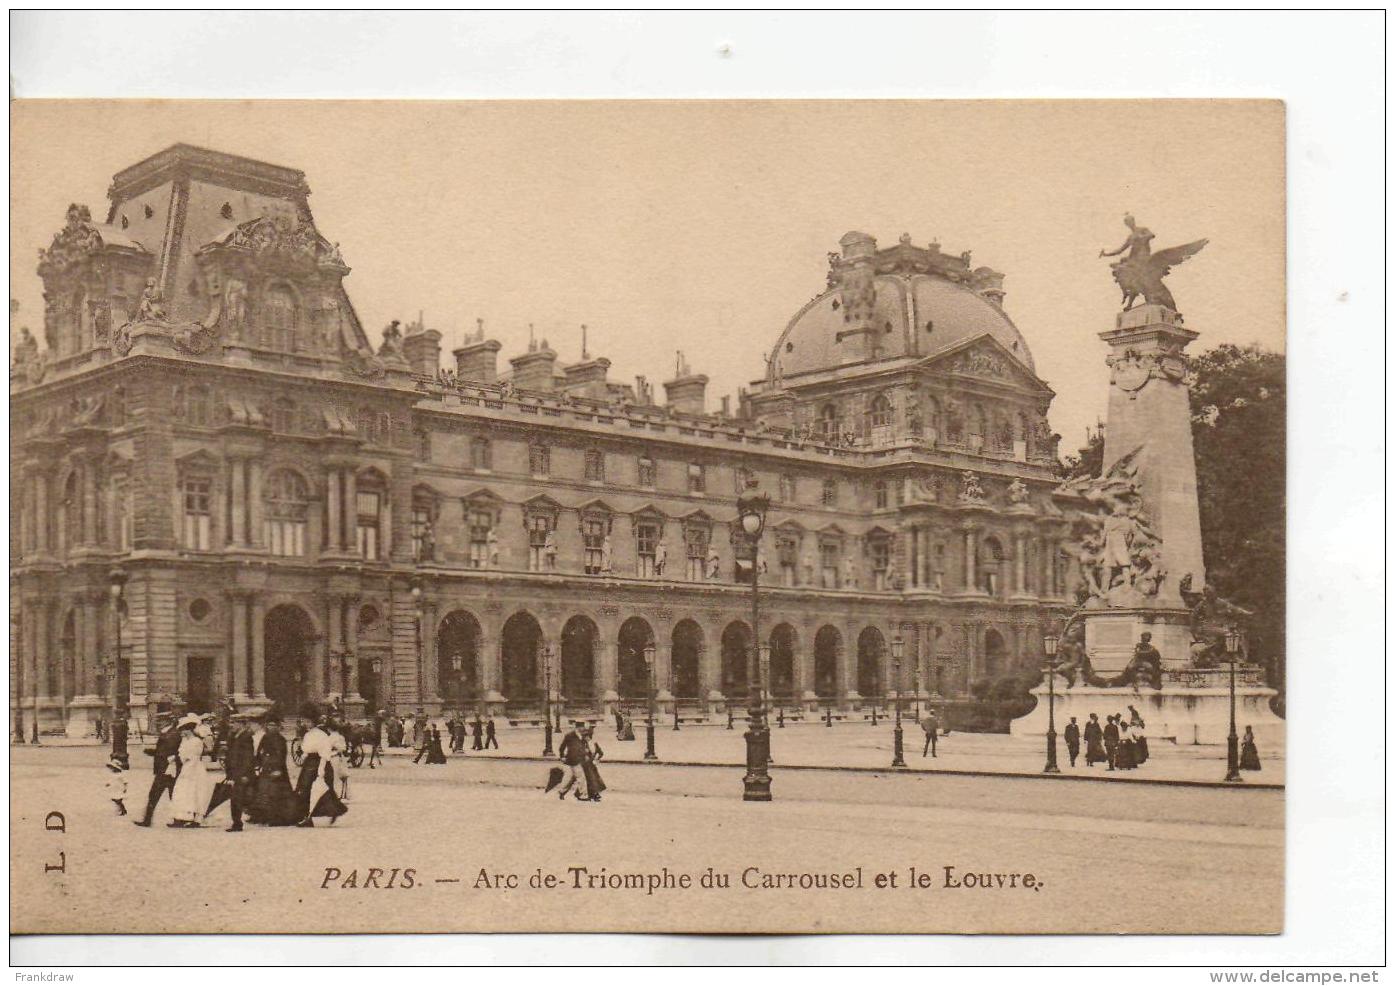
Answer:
(224, 484)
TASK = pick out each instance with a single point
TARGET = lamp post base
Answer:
(649, 753)
(1051, 767)
(898, 758)
(756, 782)
(1232, 760)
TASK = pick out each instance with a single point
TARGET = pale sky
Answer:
(703, 226)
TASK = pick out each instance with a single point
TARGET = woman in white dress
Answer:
(193, 787)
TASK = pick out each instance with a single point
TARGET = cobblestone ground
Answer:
(1105, 857)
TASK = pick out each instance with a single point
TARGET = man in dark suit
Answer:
(489, 738)
(1073, 740)
(1111, 740)
(166, 746)
(931, 725)
(477, 730)
(241, 770)
(572, 752)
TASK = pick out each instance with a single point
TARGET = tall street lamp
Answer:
(1049, 643)
(751, 508)
(1232, 657)
(120, 685)
(673, 688)
(898, 758)
(649, 753)
(456, 663)
(378, 690)
(915, 683)
(547, 699)
(877, 680)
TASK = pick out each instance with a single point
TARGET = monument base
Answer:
(1192, 709)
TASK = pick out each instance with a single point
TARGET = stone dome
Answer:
(894, 303)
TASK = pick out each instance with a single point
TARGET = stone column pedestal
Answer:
(83, 713)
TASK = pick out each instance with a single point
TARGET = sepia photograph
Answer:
(652, 543)
(695, 489)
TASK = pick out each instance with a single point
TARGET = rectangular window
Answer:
(368, 504)
(481, 523)
(830, 492)
(646, 548)
(697, 478)
(198, 513)
(880, 494)
(787, 490)
(539, 461)
(881, 562)
(595, 465)
(787, 554)
(593, 542)
(423, 546)
(741, 479)
(696, 540)
(539, 527)
(828, 563)
(646, 472)
(480, 457)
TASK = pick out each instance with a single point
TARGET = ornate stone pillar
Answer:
(846, 673)
(237, 490)
(334, 523)
(610, 663)
(351, 647)
(350, 513)
(256, 524)
(663, 665)
(89, 501)
(238, 658)
(43, 520)
(970, 558)
(326, 666)
(491, 655)
(258, 648)
(927, 564)
(909, 543)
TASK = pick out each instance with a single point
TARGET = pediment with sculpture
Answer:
(985, 358)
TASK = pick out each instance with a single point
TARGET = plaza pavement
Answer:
(861, 746)
(1107, 857)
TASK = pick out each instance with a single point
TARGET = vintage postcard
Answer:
(796, 517)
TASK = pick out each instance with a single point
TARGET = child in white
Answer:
(115, 785)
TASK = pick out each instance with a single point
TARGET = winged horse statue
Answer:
(1142, 271)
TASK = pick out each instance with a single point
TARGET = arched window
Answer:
(280, 319)
(287, 510)
(880, 412)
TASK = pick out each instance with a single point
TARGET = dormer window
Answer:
(280, 319)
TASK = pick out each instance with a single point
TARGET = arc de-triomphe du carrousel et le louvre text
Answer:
(223, 487)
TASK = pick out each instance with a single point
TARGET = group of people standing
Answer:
(1120, 744)
(257, 779)
(420, 732)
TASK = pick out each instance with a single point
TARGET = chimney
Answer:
(687, 391)
(587, 378)
(422, 347)
(476, 359)
(533, 370)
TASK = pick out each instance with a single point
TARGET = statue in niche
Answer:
(660, 558)
(1018, 493)
(235, 304)
(491, 549)
(605, 555)
(550, 550)
(1142, 271)
(970, 491)
(714, 565)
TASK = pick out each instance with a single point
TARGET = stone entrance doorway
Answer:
(289, 635)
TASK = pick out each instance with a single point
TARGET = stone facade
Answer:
(300, 512)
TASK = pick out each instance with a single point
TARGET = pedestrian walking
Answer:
(432, 745)
(114, 784)
(193, 787)
(592, 756)
(164, 751)
(490, 739)
(314, 790)
(418, 728)
(1094, 742)
(1140, 740)
(273, 798)
(1073, 740)
(240, 770)
(931, 726)
(1126, 756)
(572, 752)
(477, 729)
(1249, 752)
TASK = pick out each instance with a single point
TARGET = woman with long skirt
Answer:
(1249, 752)
(315, 787)
(594, 784)
(193, 787)
(1126, 758)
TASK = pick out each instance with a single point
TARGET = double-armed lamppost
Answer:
(751, 508)
(120, 711)
(649, 753)
(547, 699)
(898, 758)
(1232, 755)
(1049, 643)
